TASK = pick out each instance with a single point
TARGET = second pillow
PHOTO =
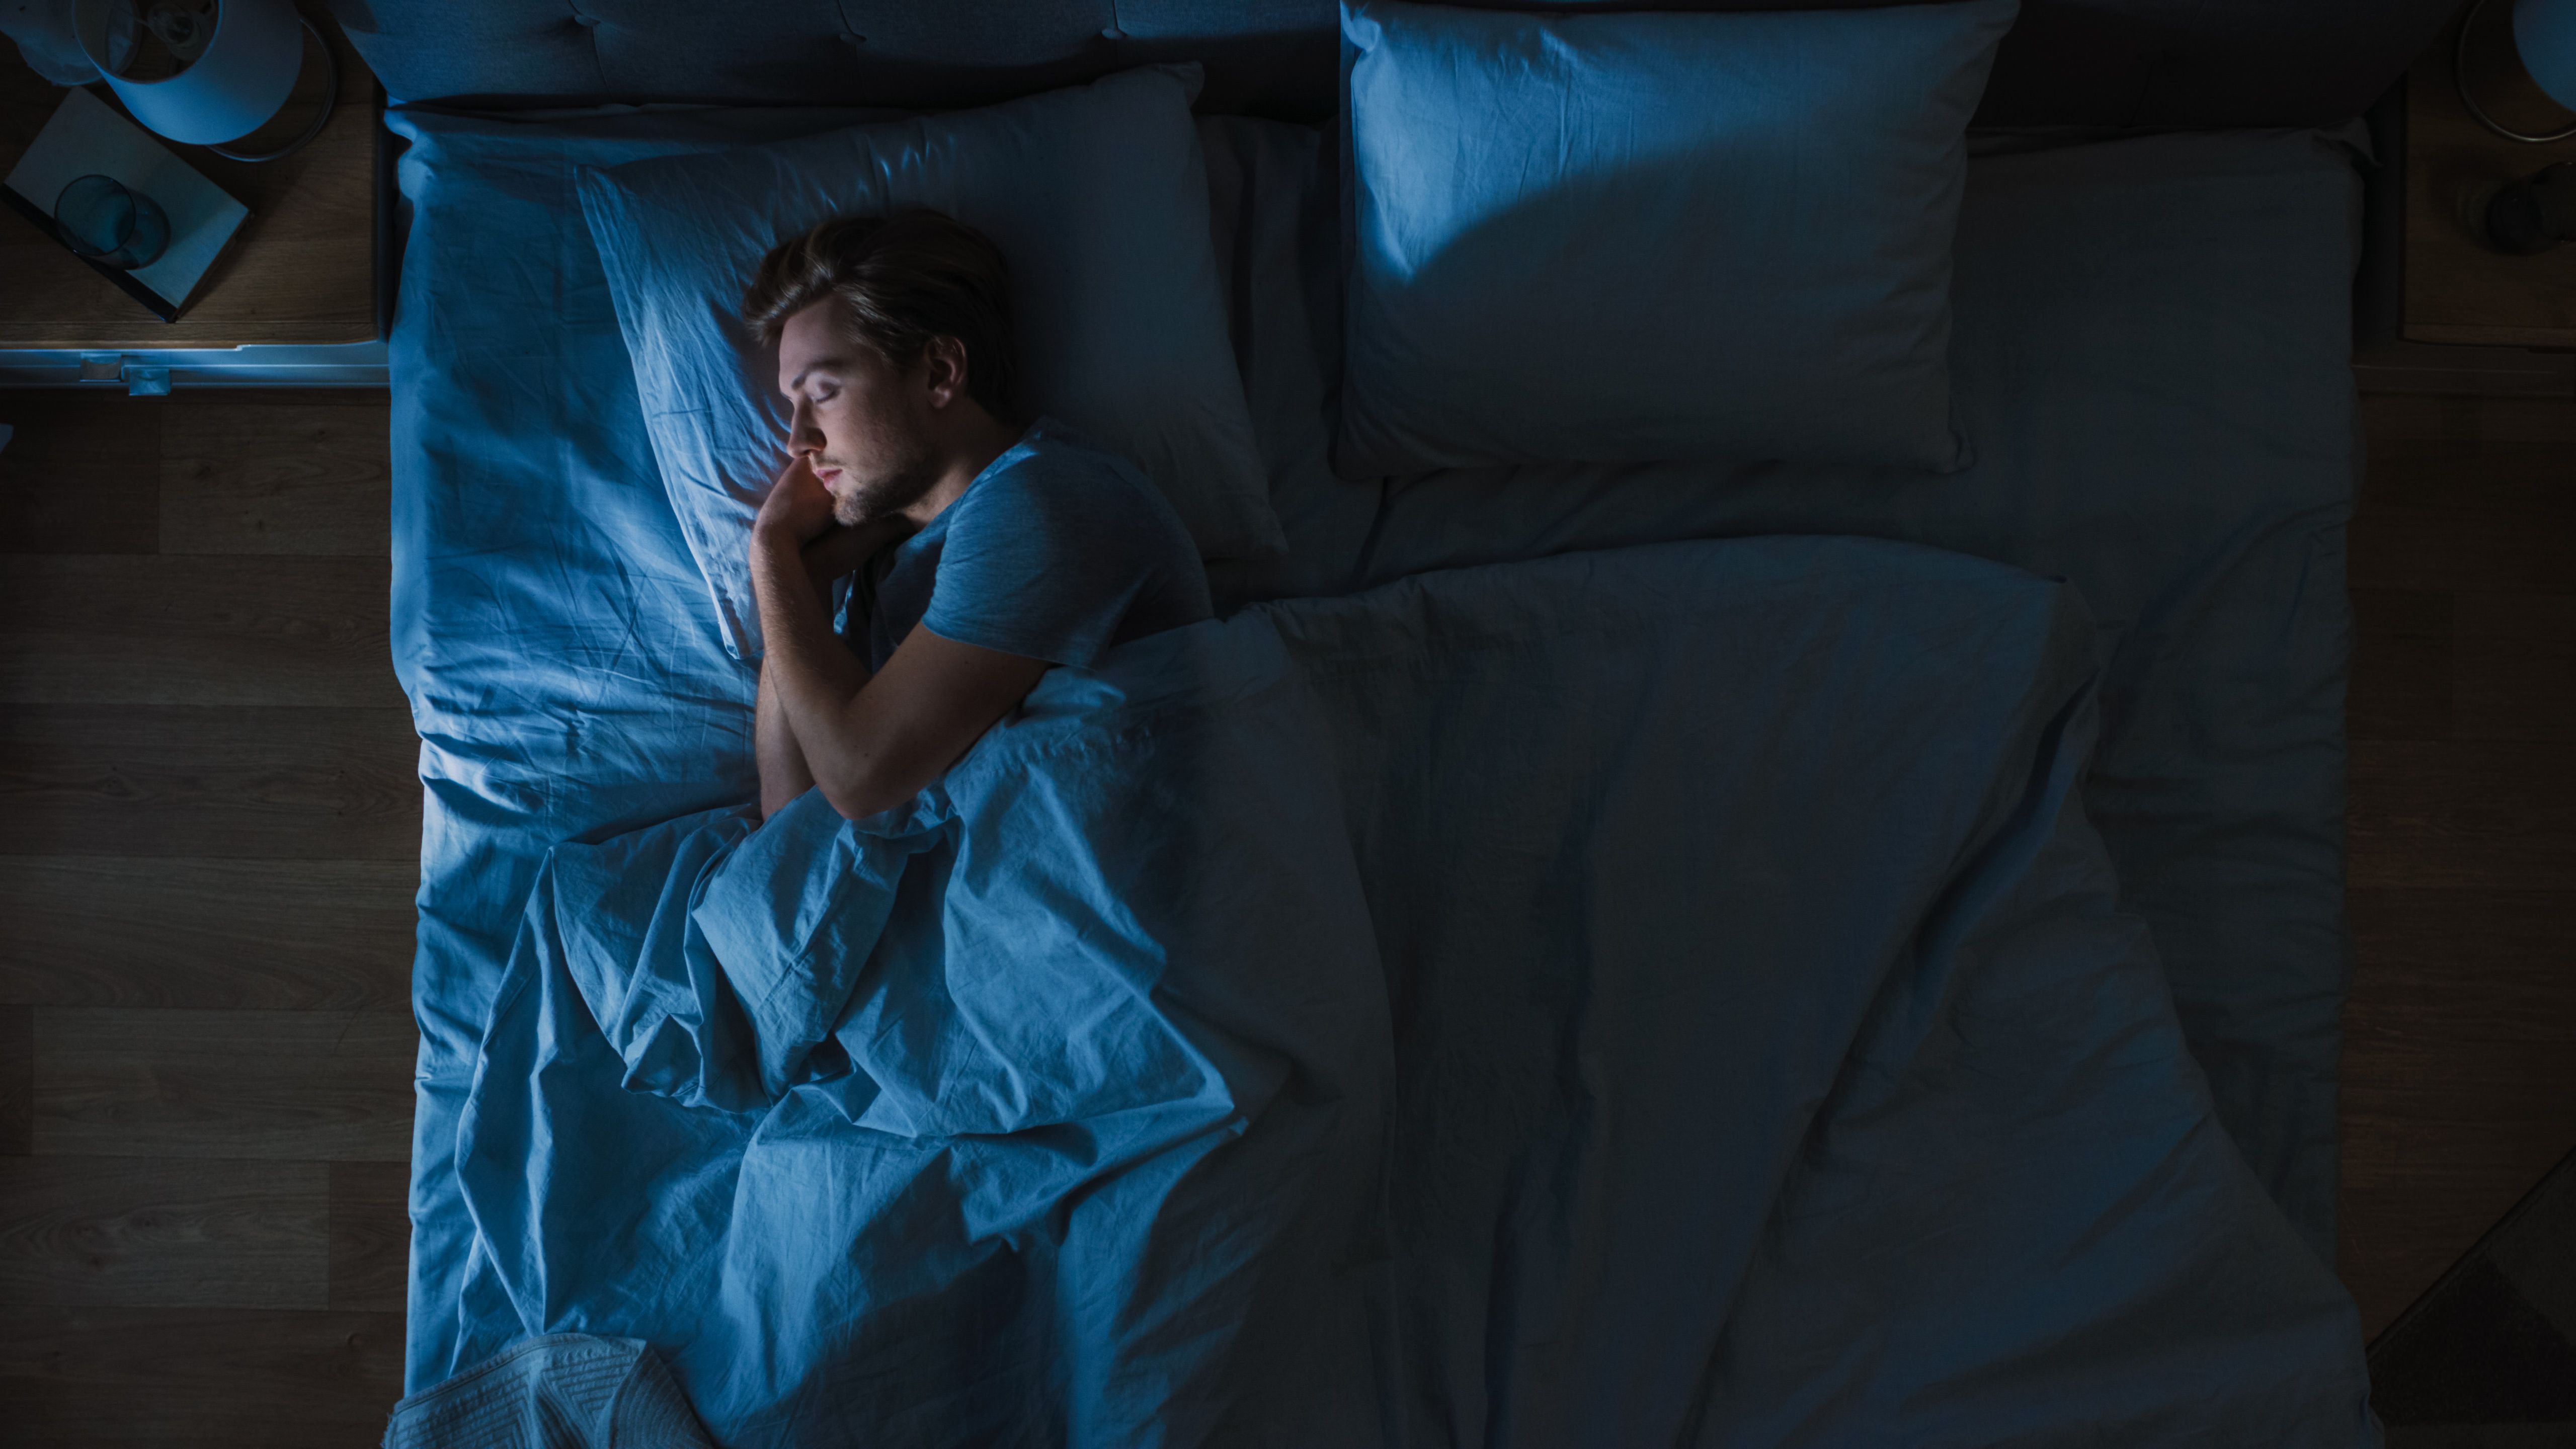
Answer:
(1655, 235)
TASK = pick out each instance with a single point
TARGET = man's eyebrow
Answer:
(837, 362)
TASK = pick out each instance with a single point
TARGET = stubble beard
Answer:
(896, 490)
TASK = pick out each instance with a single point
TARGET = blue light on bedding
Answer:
(1774, 1061)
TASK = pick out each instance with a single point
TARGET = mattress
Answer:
(2152, 359)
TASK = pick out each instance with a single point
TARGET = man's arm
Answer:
(783, 772)
(871, 744)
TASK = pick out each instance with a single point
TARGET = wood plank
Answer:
(2432, 548)
(2401, 666)
(285, 471)
(2501, 614)
(207, 1378)
(2515, 663)
(2463, 516)
(370, 1235)
(17, 1080)
(300, 270)
(2468, 964)
(2488, 371)
(2399, 418)
(2488, 814)
(80, 1232)
(243, 783)
(116, 1081)
(296, 934)
(81, 473)
(2479, 476)
(2490, 334)
(82, 629)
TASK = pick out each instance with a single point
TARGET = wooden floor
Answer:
(209, 839)
(209, 828)
(2459, 1072)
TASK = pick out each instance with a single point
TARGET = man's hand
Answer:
(798, 516)
(798, 508)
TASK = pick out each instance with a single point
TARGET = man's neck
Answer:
(982, 439)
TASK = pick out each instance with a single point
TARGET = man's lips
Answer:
(827, 474)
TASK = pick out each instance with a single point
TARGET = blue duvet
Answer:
(1662, 996)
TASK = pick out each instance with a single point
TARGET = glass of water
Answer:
(110, 223)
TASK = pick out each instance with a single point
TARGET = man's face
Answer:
(862, 424)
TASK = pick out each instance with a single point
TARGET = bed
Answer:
(2152, 344)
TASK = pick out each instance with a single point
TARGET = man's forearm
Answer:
(807, 678)
(783, 775)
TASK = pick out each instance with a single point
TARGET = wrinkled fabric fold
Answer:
(1055, 1071)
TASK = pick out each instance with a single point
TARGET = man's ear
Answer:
(944, 362)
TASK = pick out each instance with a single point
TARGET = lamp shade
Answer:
(240, 80)
(2544, 31)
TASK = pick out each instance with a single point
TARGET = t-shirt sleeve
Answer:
(1040, 565)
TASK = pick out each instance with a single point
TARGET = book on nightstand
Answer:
(87, 136)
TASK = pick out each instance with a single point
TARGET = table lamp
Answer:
(2537, 212)
(2544, 31)
(2544, 37)
(228, 65)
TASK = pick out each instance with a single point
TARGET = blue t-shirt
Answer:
(1057, 551)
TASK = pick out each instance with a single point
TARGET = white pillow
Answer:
(1097, 197)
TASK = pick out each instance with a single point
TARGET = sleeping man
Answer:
(990, 550)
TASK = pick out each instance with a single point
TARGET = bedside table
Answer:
(302, 273)
(2455, 290)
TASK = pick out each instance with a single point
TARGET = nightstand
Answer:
(2455, 290)
(302, 280)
